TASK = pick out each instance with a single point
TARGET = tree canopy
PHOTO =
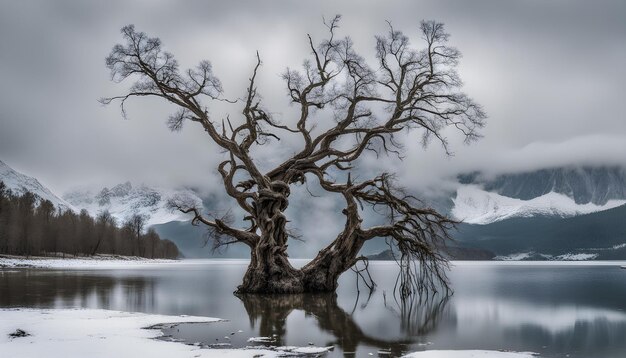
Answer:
(347, 107)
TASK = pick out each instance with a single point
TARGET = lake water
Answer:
(557, 310)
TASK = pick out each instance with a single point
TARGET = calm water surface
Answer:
(562, 310)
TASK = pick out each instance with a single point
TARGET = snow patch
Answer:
(261, 339)
(474, 205)
(515, 257)
(521, 256)
(614, 247)
(576, 257)
(304, 350)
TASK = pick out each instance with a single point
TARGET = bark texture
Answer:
(269, 270)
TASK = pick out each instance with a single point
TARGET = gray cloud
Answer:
(550, 75)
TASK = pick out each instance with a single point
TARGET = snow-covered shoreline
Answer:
(128, 262)
(69, 262)
(97, 333)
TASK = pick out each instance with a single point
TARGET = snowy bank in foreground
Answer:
(68, 333)
(470, 354)
(98, 261)
(99, 334)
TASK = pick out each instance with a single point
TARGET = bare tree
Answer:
(406, 89)
(104, 221)
(137, 222)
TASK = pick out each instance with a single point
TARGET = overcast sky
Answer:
(550, 75)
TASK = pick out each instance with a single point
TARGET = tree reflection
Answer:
(271, 312)
(418, 315)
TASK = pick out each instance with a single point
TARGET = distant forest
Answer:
(29, 229)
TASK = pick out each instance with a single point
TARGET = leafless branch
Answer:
(407, 89)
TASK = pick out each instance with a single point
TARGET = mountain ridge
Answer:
(558, 192)
(584, 184)
(124, 200)
(601, 234)
(20, 183)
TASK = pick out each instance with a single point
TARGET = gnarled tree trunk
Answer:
(322, 273)
(270, 271)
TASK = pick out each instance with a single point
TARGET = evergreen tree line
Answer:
(29, 229)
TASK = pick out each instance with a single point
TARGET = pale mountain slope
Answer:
(125, 200)
(20, 183)
(474, 205)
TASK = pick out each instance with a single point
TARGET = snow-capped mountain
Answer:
(560, 192)
(125, 200)
(474, 205)
(20, 183)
